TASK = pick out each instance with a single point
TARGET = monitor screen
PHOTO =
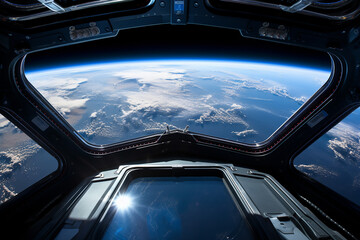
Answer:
(185, 207)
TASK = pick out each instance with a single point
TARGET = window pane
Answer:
(334, 159)
(177, 208)
(236, 100)
(22, 161)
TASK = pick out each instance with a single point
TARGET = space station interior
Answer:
(106, 157)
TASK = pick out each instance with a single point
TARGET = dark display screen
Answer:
(177, 208)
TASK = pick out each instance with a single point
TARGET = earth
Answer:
(246, 102)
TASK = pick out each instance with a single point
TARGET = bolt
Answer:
(92, 24)
(233, 168)
(72, 28)
(20, 51)
(60, 38)
(162, 4)
(196, 4)
(178, 20)
(262, 32)
(266, 24)
(27, 37)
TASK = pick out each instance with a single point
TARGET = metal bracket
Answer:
(77, 34)
(298, 6)
(52, 5)
(280, 33)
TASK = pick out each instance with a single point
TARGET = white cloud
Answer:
(119, 124)
(5, 193)
(3, 121)
(245, 133)
(234, 85)
(15, 157)
(231, 115)
(168, 93)
(316, 170)
(101, 129)
(65, 105)
(57, 91)
(345, 143)
(155, 75)
(166, 90)
(93, 115)
(60, 84)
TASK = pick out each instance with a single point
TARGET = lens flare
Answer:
(123, 202)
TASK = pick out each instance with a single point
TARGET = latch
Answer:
(286, 227)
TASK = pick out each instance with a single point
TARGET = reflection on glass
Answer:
(334, 159)
(123, 202)
(241, 101)
(177, 208)
(22, 161)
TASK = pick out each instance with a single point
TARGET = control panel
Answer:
(178, 12)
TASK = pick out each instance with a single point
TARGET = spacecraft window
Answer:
(334, 159)
(125, 88)
(22, 161)
(177, 207)
(237, 100)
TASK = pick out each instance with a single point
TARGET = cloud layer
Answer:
(57, 90)
(315, 171)
(345, 143)
(126, 98)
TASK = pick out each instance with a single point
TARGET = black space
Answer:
(173, 42)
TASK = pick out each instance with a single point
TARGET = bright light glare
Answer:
(123, 202)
